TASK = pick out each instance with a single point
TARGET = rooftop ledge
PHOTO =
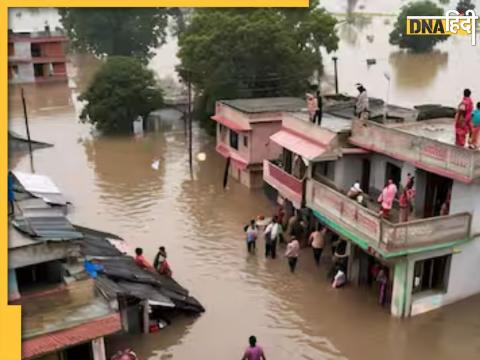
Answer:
(426, 144)
(368, 230)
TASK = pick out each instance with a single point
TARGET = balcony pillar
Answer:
(402, 288)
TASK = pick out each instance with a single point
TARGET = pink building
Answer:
(244, 128)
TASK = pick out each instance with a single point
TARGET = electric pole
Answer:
(336, 73)
(27, 129)
(189, 119)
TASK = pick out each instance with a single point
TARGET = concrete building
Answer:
(244, 127)
(430, 258)
(36, 56)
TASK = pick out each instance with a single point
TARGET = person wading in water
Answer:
(254, 351)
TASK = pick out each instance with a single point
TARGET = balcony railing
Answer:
(367, 226)
(287, 185)
(435, 156)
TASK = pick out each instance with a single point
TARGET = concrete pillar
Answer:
(402, 289)
(353, 272)
(98, 349)
(13, 293)
(146, 316)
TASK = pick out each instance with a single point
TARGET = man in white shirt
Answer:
(272, 233)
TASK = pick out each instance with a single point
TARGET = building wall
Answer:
(348, 169)
(262, 148)
(22, 50)
(466, 197)
(59, 68)
(24, 73)
(54, 49)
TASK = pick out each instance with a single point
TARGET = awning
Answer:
(298, 145)
(237, 160)
(231, 124)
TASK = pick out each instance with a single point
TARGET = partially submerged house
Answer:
(78, 285)
(244, 127)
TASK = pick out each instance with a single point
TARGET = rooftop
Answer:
(75, 304)
(330, 122)
(441, 129)
(261, 105)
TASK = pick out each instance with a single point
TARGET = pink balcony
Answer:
(287, 185)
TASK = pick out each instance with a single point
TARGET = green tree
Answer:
(417, 43)
(121, 90)
(231, 53)
(464, 5)
(115, 31)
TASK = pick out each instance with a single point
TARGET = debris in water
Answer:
(156, 165)
(370, 38)
(371, 61)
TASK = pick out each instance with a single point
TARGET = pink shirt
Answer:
(387, 196)
(253, 353)
(293, 249)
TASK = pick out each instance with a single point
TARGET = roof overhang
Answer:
(231, 124)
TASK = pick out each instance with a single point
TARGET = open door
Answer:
(436, 192)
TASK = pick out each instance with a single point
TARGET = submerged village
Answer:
(288, 212)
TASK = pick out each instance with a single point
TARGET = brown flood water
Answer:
(112, 187)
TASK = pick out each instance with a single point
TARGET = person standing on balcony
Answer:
(362, 103)
(317, 242)
(386, 198)
(293, 250)
(406, 200)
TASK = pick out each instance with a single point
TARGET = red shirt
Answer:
(142, 262)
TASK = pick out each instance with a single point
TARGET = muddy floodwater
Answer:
(112, 187)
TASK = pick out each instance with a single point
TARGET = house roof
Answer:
(40, 186)
(260, 105)
(78, 334)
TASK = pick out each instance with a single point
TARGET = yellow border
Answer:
(10, 316)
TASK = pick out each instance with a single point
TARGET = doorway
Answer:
(437, 189)
(393, 172)
(365, 182)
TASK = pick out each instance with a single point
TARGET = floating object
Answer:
(156, 165)
(201, 156)
(371, 61)
(370, 38)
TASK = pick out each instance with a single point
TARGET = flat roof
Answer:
(77, 304)
(272, 104)
(441, 129)
(329, 121)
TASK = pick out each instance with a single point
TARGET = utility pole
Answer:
(27, 129)
(336, 73)
(189, 116)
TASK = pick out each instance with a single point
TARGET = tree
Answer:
(115, 31)
(417, 43)
(229, 53)
(464, 5)
(121, 90)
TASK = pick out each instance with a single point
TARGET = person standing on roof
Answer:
(161, 264)
(254, 351)
(317, 118)
(468, 104)
(141, 261)
(476, 126)
(362, 103)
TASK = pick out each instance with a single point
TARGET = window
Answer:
(431, 274)
(393, 172)
(325, 169)
(245, 140)
(36, 50)
(38, 70)
(233, 140)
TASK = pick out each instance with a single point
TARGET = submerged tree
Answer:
(417, 43)
(121, 90)
(228, 53)
(464, 5)
(115, 31)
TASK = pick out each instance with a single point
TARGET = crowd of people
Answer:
(295, 233)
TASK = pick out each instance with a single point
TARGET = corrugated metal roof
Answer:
(40, 186)
(48, 227)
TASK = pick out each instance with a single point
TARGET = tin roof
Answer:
(40, 186)
(272, 104)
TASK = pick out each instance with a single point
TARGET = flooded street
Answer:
(112, 187)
